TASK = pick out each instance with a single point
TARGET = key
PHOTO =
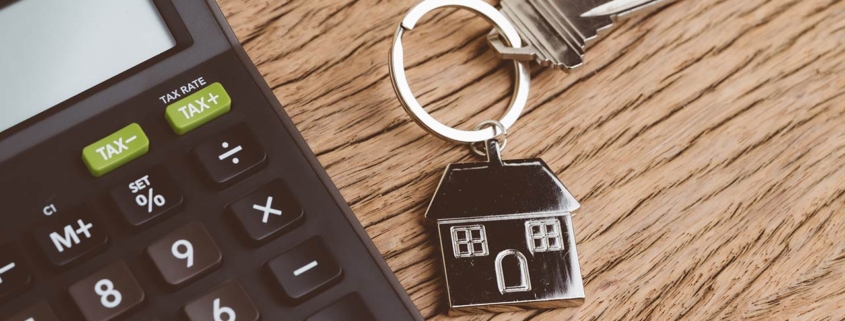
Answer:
(305, 269)
(14, 274)
(557, 32)
(107, 294)
(40, 311)
(268, 212)
(229, 302)
(349, 308)
(71, 236)
(185, 254)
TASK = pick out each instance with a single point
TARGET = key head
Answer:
(558, 32)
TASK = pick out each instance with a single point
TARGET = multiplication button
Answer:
(230, 155)
(268, 212)
(147, 196)
(69, 236)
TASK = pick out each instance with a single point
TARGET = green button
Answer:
(197, 109)
(115, 150)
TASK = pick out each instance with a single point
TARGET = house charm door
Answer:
(506, 235)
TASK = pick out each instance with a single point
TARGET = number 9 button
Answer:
(185, 254)
(107, 294)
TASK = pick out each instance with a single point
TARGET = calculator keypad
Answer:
(37, 312)
(108, 293)
(348, 308)
(267, 212)
(185, 254)
(228, 302)
(14, 276)
(305, 269)
(231, 154)
(70, 236)
(147, 196)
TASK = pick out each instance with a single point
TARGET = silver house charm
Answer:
(506, 236)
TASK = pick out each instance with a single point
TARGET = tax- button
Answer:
(305, 269)
(228, 302)
(14, 275)
(69, 236)
(115, 150)
(197, 109)
(107, 294)
(268, 212)
(147, 196)
(185, 254)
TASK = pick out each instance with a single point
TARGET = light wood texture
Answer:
(705, 142)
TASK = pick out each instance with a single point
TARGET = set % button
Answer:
(147, 196)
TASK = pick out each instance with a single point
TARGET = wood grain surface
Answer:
(705, 142)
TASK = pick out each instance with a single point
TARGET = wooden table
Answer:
(705, 143)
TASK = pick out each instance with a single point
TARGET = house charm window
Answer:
(543, 235)
(469, 241)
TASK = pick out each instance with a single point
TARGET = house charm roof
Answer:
(506, 236)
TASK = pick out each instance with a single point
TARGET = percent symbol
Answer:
(149, 200)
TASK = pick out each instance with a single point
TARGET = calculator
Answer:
(147, 172)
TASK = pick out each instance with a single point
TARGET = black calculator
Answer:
(147, 172)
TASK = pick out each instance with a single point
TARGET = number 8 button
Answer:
(107, 294)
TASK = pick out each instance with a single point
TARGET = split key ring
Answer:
(413, 107)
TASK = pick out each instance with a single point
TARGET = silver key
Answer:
(557, 32)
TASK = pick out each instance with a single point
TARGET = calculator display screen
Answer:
(52, 50)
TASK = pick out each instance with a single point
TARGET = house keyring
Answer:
(505, 227)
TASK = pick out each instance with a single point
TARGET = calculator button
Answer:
(107, 294)
(267, 212)
(70, 236)
(230, 155)
(349, 308)
(228, 302)
(305, 269)
(197, 109)
(147, 196)
(115, 150)
(40, 311)
(14, 275)
(185, 254)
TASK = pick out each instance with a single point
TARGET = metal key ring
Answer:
(413, 107)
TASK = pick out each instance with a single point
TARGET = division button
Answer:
(40, 311)
(107, 294)
(115, 150)
(147, 196)
(230, 155)
(228, 302)
(268, 212)
(197, 109)
(305, 269)
(69, 236)
(349, 308)
(14, 274)
(185, 254)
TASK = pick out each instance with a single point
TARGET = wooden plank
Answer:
(704, 142)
